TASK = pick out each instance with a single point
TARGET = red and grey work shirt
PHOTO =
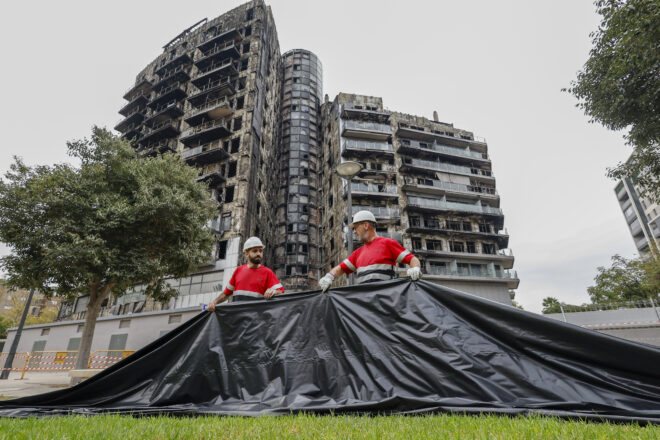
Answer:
(252, 282)
(375, 261)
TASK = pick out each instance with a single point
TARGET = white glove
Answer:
(324, 283)
(414, 273)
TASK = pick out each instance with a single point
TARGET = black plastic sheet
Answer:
(387, 347)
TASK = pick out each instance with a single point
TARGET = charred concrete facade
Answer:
(297, 255)
(213, 96)
(430, 186)
(251, 121)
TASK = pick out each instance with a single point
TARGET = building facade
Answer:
(252, 122)
(641, 215)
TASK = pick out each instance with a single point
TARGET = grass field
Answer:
(318, 427)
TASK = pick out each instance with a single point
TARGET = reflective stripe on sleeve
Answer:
(276, 286)
(230, 287)
(402, 255)
(349, 265)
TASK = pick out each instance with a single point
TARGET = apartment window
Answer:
(457, 246)
(118, 342)
(73, 344)
(250, 14)
(414, 221)
(226, 222)
(331, 222)
(244, 65)
(124, 323)
(45, 331)
(463, 268)
(174, 319)
(434, 245)
(467, 226)
(222, 250)
(483, 227)
(240, 102)
(229, 194)
(488, 248)
(454, 226)
(471, 247)
(246, 47)
(332, 244)
(235, 143)
(431, 223)
(416, 243)
(248, 31)
(238, 123)
(232, 169)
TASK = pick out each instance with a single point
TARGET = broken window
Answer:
(457, 246)
(222, 250)
(248, 31)
(246, 47)
(416, 243)
(240, 102)
(250, 14)
(235, 143)
(471, 247)
(484, 227)
(414, 221)
(232, 169)
(238, 122)
(488, 248)
(226, 222)
(229, 194)
(434, 245)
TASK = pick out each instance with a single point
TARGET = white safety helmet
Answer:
(363, 216)
(252, 242)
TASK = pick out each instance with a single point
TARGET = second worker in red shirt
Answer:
(252, 280)
(376, 259)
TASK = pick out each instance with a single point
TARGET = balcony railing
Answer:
(379, 212)
(451, 186)
(206, 153)
(351, 144)
(219, 65)
(220, 123)
(201, 110)
(471, 272)
(452, 206)
(219, 83)
(441, 166)
(217, 48)
(169, 74)
(367, 126)
(164, 91)
(454, 151)
(373, 188)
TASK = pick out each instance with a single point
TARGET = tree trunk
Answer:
(93, 307)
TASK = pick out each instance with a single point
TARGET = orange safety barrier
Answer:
(60, 360)
(105, 358)
(21, 359)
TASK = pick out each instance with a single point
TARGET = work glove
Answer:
(414, 273)
(324, 283)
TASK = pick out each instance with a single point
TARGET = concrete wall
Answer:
(639, 325)
(142, 329)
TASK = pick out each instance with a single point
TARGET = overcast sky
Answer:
(493, 67)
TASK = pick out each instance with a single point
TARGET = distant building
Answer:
(642, 216)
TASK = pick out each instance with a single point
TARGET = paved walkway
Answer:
(34, 383)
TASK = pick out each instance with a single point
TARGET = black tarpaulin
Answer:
(387, 347)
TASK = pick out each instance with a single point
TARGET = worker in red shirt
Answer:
(376, 259)
(252, 280)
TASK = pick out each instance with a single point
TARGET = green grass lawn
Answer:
(318, 427)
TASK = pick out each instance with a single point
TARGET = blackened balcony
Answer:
(352, 147)
(218, 38)
(178, 74)
(447, 138)
(211, 152)
(154, 148)
(372, 191)
(176, 91)
(352, 111)
(164, 112)
(227, 49)
(138, 100)
(214, 178)
(434, 186)
(212, 90)
(132, 131)
(473, 274)
(434, 149)
(504, 257)
(426, 204)
(409, 164)
(435, 226)
(215, 109)
(219, 68)
(163, 130)
(206, 132)
(136, 116)
(170, 64)
(141, 87)
(382, 214)
(366, 130)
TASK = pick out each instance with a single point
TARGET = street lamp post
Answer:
(347, 170)
(17, 337)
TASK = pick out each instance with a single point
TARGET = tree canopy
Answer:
(626, 280)
(103, 226)
(619, 85)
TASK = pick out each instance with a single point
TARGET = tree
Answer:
(15, 301)
(103, 226)
(551, 305)
(626, 280)
(619, 85)
(4, 326)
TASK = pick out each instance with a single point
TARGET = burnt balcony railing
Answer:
(217, 88)
(207, 131)
(210, 152)
(214, 109)
(448, 167)
(138, 100)
(372, 190)
(169, 110)
(157, 147)
(134, 117)
(174, 91)
(355, 146)
(216, 38)
(443, 205)
(165, 65)
(379, 212)
(162, 130)
(449, 186)
(179, 73)
(434, 147)
(225, 67)
(227, 49)
(141, 86)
